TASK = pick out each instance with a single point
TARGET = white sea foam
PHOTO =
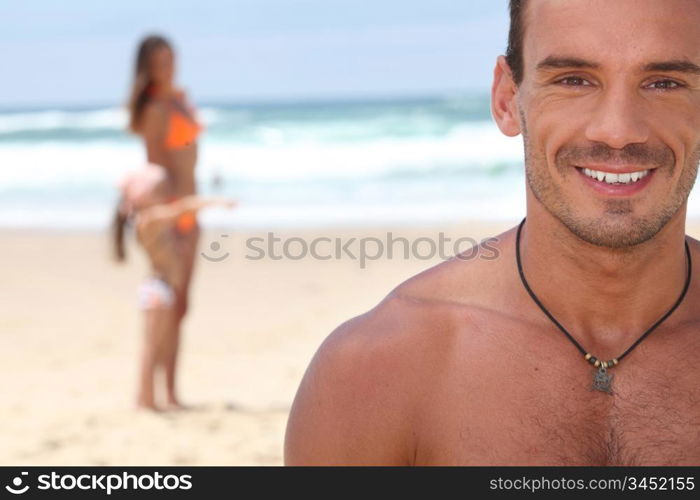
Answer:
(470, 147)
(108, 118)
(287, 165)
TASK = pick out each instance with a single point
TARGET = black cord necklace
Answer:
(602, 380)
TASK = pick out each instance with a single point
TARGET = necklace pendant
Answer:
(602, 381)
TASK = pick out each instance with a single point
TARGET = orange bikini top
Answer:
(182, 131)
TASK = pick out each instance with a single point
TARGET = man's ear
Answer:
(504, 108)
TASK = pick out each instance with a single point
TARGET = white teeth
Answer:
(611, 178)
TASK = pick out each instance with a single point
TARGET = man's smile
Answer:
(616, 180)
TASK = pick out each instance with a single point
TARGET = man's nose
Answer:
(618, 118)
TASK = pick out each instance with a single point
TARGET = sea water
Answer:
(380, 161)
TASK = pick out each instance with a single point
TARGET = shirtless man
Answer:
(458, 365)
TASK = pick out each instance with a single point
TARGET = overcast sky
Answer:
(81, 52)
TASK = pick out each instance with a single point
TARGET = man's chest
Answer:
(542, 412)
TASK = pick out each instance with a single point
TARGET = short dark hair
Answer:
(514, 52)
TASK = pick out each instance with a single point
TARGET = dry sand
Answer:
(71, 335)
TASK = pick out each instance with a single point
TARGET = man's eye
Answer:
(573, 81)
(664, 85)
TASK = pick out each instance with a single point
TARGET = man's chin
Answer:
(615, 231)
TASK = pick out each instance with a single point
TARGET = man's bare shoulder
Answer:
(348, 408)
(369, 377)
(355, 403)
(424, 310)
(425, 303)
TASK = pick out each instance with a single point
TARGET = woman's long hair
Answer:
(118, 228)
(137, 101)
(142, 78)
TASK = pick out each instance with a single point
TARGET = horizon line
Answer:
(263, 100)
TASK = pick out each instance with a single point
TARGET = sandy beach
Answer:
(71, 335)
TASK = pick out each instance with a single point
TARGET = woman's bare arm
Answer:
(167, 212)
(154, 129)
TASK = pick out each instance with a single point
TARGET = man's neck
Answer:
(606, 298)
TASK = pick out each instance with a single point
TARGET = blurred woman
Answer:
(161, 115)
(145, 201)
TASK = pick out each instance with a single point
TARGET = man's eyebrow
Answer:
(556, 62)
(680, 66)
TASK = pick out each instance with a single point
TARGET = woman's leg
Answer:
(157, 322)
(157, 300)
(187, 253)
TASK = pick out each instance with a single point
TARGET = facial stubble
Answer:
(619, 227)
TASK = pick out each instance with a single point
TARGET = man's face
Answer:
(612, 87)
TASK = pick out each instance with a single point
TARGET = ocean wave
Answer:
(109, 119)
(291, 163)
(475, 148)
(261, 124)
(468, 149)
